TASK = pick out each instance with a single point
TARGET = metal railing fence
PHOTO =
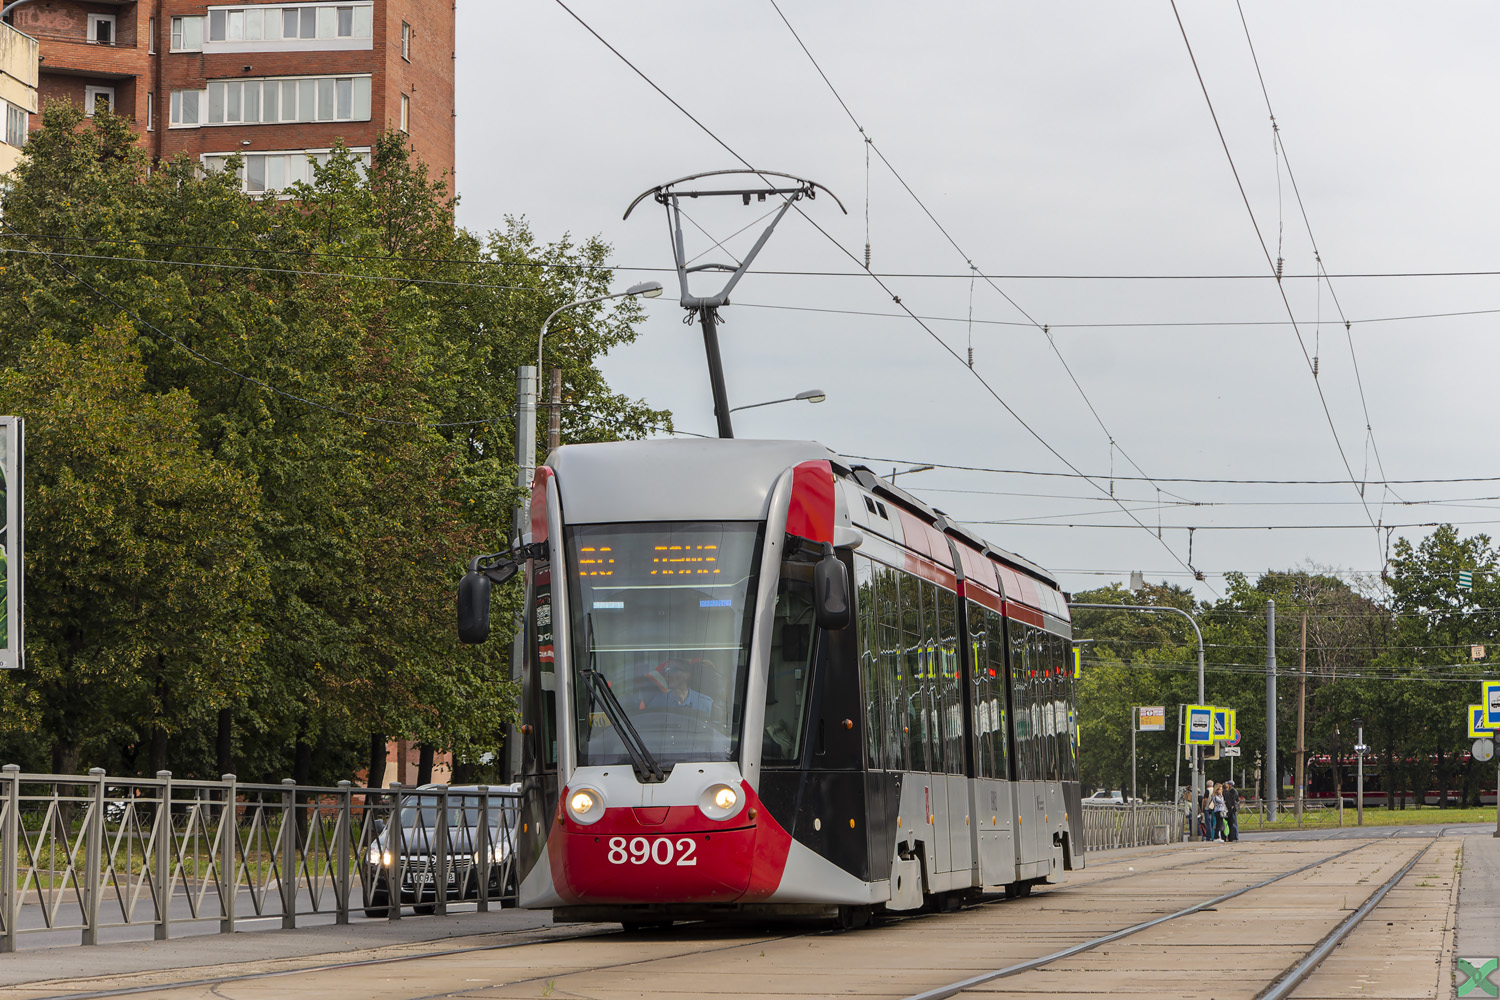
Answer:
(88, 852)
(1107, 825)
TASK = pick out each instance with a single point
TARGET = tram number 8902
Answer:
(656, 850)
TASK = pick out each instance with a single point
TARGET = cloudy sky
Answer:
(1068, 149)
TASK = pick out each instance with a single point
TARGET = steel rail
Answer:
(1293, 977)
(209, 983)
(953, 989)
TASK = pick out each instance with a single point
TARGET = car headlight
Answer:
(719, 801)
(586, 805)
(497, 854)
(374, 854)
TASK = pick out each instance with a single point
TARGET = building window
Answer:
(264, 173)
(187, 34)
(185, 107)
(406, 41)
(17, 121)
(278, 23)
(150, 111)
(302, 99)
(102, 29)
(151, 36)
(98, 99)
(405, 112)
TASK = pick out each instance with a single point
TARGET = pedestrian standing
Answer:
(1232, 803)
(1220, 814)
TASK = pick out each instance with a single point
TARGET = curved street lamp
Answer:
(810, 395)
(526, 407)
(646, 290)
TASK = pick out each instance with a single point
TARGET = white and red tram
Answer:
(710, 729)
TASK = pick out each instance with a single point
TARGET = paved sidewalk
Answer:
(1478, 932)
(205, 950)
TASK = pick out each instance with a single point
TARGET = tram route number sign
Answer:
(1153, 718)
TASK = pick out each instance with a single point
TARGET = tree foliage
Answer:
(321, 389)
(1393, 655)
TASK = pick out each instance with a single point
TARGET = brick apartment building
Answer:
(275, 81)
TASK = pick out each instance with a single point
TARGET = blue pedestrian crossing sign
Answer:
(1478, 729)
(1491, 704)
(1200, 725)
(1221, 727)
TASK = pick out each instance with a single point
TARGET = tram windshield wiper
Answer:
(641, 758)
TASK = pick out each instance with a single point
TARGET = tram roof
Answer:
(714, 479)
(674, 480)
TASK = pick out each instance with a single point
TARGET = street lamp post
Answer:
(1197, 763)
(810, 395)
(526, 461)
(1359, 782)
(916, 468)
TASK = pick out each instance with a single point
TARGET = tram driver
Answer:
(679, 695)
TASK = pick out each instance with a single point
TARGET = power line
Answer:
(861, 273)
(1281, 290)
(1117, 325)
(1317, 253)
(139, 321)
(1238, 527)
(883, 286)
(1165, 479)
(969, 260)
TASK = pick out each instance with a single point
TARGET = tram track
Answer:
(1281, 986)
(640, 960)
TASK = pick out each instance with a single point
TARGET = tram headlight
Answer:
(586, 805)
(719, 801)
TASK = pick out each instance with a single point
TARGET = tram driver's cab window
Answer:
(789, 677)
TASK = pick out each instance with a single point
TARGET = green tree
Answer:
(352, 354)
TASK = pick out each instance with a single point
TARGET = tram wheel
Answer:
(853, 918)
(1018, 890)
(636, 926)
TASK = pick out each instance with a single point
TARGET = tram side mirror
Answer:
(474, 608)
(831, 592)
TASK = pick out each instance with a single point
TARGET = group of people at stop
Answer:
(1218, 813)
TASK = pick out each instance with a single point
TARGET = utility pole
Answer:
(1359, 786)
(554, 413)
(1273, 784)
(707, 307)
(1301, 718)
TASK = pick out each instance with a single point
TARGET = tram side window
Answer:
(932, 691)
(869, 661)
(979, 682)
(986, 720)
(913, 666)
(1000, 749)
(790, 669)
(893, 680)
(947, 681)
(1023, 650)
(1069, 743)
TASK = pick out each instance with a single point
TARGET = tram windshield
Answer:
(661, 615)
